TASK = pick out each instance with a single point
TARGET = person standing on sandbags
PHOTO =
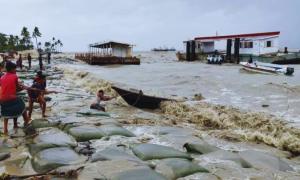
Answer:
(40, 62)
(49, 57)
(12, 106)
(29, 60)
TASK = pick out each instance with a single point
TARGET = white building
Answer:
(252, 44)
(111, 49)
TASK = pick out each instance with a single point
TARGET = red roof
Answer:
(239, 36)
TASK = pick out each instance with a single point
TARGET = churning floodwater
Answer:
(161, 74)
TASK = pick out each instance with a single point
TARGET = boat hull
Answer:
(268, 68)
(139, 100)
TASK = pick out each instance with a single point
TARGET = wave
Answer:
(293, 88)
(250, 126)
(88, 81)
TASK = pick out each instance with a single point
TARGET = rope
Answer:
(137, 99)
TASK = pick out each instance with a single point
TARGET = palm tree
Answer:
(47, 46)
(36, 33)
(55, 46)
(3, 42)
(17, 39)
(58, 42)
(26, 36)
(61, 45)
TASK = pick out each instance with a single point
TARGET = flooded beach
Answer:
(162, 74)
(219, 136)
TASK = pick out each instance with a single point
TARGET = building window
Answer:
(198, 46)
(241, 45)
(248, 44)
(269, 44)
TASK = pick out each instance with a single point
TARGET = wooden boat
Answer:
(267, 68)
(139, 100)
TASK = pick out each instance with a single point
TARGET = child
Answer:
(12, 106)
(96, 102)
(37, 96)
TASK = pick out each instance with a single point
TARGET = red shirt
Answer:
(8, 86)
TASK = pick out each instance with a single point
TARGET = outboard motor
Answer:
(289, 71)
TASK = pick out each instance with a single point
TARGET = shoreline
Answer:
(162, 127)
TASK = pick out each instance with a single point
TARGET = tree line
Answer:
(11, 43)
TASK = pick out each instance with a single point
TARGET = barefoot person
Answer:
(12, 106)
(20, 62)
(37, 96)
(100, 97)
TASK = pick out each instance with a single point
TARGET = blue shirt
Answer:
(36, 94)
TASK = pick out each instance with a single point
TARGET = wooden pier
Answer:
(110, 52)
(92, 59)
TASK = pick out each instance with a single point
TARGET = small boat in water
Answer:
(267, 68)
(138, 99)
(163, 49)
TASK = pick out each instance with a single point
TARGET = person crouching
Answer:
(37, 96)
(100, 97)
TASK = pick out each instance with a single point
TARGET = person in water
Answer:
(100, 97)
(12, 106)
(37, 96)
(29, 60)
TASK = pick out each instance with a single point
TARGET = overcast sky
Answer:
(149, 23)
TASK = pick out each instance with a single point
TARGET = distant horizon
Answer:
(150, 23)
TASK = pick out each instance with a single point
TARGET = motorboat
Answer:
(267, 68)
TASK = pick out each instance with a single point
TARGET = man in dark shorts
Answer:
(12, 106)
(29, 60)
(41, 62)
(49, 57)
(37, 96)
(20, 62)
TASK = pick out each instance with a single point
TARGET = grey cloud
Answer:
(149, 23)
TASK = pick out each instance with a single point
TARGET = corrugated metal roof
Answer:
(108, 42)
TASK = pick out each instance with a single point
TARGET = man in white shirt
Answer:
(100, 97)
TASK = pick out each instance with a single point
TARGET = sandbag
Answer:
(115, 153)
(35, 106)
(92, 112)
(200, 148)
(46, 141)
(69, 122)
(112, 130)
(4, 155)
(177, 168)
(108, 121)
(21, 93)
(47, 98)
(22, 76)
(138, 174)
(216, 152)
(261, 160)
(85, 133)
(43, 123)
(153, 151)
(50, 159)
